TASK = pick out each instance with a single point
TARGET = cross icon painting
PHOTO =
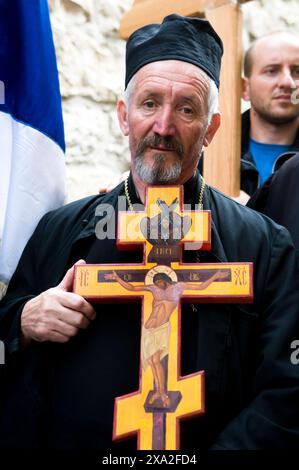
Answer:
(161, 282)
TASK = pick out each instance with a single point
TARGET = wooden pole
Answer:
(152, 11)
(222, 157)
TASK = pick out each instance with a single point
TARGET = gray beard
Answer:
(157, 173)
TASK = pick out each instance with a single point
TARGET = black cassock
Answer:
(278, 198)
(62, 395)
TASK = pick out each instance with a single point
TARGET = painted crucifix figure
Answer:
(161, 282)
(156, 331)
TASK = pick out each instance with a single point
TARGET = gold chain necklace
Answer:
(200, 206)
(200, 198)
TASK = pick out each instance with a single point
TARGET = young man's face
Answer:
(274, 77)
(167, 121)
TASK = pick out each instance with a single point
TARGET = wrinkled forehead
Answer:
(172, 68)
(172, 74)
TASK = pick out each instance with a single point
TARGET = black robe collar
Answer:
(191, 190)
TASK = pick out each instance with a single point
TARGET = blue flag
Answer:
(32, 176)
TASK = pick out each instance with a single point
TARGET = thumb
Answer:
(67, 282)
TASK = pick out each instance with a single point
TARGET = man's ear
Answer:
(212, 129)
(121, 109)
(245, 88)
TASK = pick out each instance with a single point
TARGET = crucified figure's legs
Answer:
(156, 380)
(159, 376)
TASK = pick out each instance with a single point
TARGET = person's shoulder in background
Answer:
(278, 198)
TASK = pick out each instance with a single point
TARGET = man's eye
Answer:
(149, 104)
(296, 72)
(187, 110)
(271, 71)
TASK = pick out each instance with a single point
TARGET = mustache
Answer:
(167, 142)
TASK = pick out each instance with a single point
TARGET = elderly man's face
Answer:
(274, 76)
(167, 121)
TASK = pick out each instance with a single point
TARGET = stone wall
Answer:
(90, 58)
(91, 64)
(267, 16)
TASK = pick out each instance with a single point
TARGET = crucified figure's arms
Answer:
(217, 275)
(127, 285)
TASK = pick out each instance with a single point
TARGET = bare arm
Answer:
(217, 275)
(127, 285)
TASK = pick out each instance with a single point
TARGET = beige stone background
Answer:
(90, 58)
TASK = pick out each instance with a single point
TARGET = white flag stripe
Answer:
(36, 185)
(5, 165)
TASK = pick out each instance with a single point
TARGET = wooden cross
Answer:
(161, 281)
(222, 157)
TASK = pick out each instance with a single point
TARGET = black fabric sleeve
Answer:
(259, 199)
(271, 420)
(22, 287)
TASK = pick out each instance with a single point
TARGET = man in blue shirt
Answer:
(270, 129)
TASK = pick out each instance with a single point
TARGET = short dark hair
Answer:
(248, 60)
(162, 277)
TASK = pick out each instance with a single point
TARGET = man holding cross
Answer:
(68, 359)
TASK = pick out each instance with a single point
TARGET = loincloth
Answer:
(154, 340)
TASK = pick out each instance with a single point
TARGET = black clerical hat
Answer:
(178, 37)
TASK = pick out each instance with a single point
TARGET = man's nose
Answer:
(286, 79)
(164, 122)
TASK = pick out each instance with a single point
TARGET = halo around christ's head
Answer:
(160, 269)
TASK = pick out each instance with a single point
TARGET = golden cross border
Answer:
(164, 229)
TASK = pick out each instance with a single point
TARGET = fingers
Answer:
(65, 329)
(73, 318)
(112, 183)
(55, 315)
(43, 332)
(59, 329)
(78, 304)
(67, 282)
(55, 337)
(52, 300)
